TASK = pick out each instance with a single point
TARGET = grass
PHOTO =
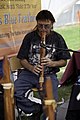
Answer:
(71, 35)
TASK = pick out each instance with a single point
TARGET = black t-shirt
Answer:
(30, 49)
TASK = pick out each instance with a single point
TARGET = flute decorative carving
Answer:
(42, 54)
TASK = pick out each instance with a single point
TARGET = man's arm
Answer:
(35, 69)
(48, 62)
(45, 61)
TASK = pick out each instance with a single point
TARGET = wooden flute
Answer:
(49, 102)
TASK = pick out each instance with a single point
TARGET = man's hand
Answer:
(46, 61)
(51, 63)
(37, 69)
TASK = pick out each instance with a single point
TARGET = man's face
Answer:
(44, 26)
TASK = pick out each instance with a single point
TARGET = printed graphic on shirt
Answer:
(34, 54)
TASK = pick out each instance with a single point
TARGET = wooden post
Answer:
(8, 92)
(50, 102)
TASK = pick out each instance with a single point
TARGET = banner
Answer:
(17, 18)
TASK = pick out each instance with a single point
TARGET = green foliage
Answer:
(64, 92)
(71, 35)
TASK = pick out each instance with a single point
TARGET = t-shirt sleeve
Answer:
(62, 51)
(24, 49)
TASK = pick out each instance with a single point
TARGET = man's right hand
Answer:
(37, 69)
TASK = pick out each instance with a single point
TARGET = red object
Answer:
(72, 69)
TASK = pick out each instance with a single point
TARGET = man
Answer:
(29, 55)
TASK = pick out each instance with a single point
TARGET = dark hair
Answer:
(45, 15)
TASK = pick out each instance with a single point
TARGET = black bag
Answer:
(1, 103)
(74, 104)
(73, 111)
